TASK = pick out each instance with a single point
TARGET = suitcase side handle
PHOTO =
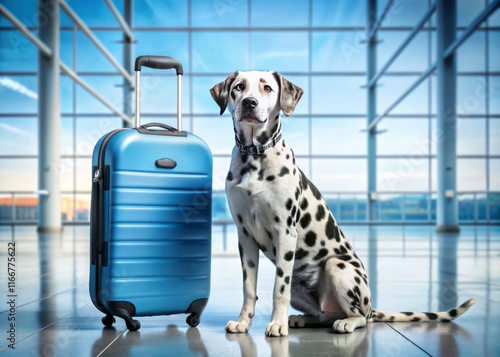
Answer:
(158, 62)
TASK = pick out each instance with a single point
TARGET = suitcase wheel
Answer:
(193, 320)
(133, 325)
(108, 320)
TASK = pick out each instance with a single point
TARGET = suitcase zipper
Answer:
(99, 252)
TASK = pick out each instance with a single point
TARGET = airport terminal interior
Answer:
(398, 128)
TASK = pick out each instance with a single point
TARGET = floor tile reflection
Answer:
(410, 268)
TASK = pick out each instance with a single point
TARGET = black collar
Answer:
(258, 149)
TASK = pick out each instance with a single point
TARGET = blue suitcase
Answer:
(151, 218)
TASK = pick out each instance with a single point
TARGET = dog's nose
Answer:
(250, 102)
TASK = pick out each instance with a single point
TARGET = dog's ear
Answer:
(220, 92)
(290, 94)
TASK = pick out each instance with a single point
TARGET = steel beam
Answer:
(124, 21)
(49, 120)
(376, 24)
(371, 111)
(447, 203)
(128, 54)
(94, 40)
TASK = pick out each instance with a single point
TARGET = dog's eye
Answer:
(268, 88)
(239, 87)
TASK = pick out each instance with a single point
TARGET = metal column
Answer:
(49, 121)
(447, 206)
(128, 54)
(371, 100)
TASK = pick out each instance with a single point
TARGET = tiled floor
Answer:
(410, 268)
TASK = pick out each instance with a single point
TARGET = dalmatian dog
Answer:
(280, 213)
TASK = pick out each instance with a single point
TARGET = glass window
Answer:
(471, 175)
(66, 95)
(338, 51)
(494, 174)
(338, 95)
(493, 89)
(83, 174)
(405, 137)
(160, 13)
(95, 14)
(471, 95)
(494, 50)
(470, 55)
(217, 132)
(223, 52)
(203, 102)
(416, 207)
(106, 86)
(494, 133)
(90, 130)
(390, 207)
(220, 170)
(466, 207)
(339, 13)
(414, 57)
(279, 13)
(67, 174)
(494, 201)
(338, 136)
(339, 175)
(219, 13)
(279, 51)
(391, 89)
(467, 11)
(25, 10)
(296, 134)
(19, 136)
(16, 51)
(18, 175)
(403, 174)
(18, 94)
(471, 136)
(403, 13)
(90, 59)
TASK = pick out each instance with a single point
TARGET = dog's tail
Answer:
(445, 316)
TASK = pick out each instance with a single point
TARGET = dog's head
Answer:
(254, 97)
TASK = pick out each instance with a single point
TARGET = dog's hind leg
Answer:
(349, 286)
(249, 254)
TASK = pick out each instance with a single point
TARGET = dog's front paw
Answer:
(276, 329)
(237, 326)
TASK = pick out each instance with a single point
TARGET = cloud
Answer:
(17, 87)
(13, 129)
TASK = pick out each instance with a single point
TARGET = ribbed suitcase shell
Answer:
(156, 224)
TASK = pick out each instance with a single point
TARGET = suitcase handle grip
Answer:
(169, 131)
(158, 62)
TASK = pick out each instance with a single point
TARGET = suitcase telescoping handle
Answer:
(158, 62)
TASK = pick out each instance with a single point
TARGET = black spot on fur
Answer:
(415, 319)
(284, 171)
(431, 315)
(240, 219)
(279, 271)
(270, 178)
(289, 204)
(276, 219)
(453, 313)
(321, 254)
(355, 264)
(304, 203)
(330, 229)
(263, 138)
(314, 190)
(305, 220)
(298, 216)
(407, 313)
(294, 210)
(240, 250)
(297, 193)
(289, 221)
(245, 232)
(244, 158)
(357, 280)
(244, 274)
(366, 300)
(287, 280)
(302, 267)
(261, 175)
(251, 264)
(274, 250)
(229, 176)
(289, 256)
(320, 213)
(248, 168)
(269, 234)
(444, 320)
(345, 258)
(341, 265)
(301, 253)
(282, 289)
(310, 238)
